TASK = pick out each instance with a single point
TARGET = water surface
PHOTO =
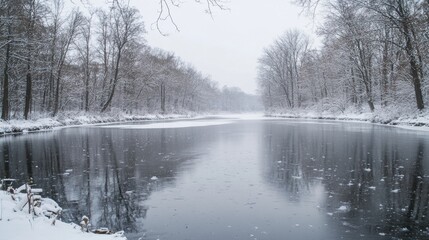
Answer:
(245, 179)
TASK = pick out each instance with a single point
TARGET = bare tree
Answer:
(30, 29)
(85, 55)
(404, 15)
(65, 41)
(7, 11)
(406, 18)
(125, 28)
(280, 65)
(354, 31)
(49, 64)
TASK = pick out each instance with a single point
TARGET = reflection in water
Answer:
(104, 174)
(264, 179)
(374, 179)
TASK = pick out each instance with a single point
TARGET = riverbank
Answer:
(409, 119)
(77, 119)
(17, 224)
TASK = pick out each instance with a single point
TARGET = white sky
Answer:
(227, 46)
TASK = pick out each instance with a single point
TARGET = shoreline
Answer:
(17, 127)
(406, 123)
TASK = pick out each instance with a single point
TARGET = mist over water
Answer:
(249, 179)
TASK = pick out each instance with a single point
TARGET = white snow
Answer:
(21, 225)
(238, 116)
(411, 120)
(78, 119)
(170, 124)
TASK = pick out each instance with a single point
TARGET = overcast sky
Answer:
(227, 46)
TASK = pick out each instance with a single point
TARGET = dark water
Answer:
(260, 179)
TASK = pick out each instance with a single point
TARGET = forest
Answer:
(373, 58)
(56, 58)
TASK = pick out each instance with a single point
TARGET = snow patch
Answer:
(21, 225)
(175, 124)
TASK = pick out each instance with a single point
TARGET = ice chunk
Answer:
(343, 208)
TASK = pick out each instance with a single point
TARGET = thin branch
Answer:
(165, 11)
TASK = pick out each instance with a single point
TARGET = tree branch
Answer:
(165, 11)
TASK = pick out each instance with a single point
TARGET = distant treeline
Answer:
(55, 59)
(375, 56)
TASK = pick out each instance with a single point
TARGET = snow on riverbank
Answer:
(78, 119)
(22, 126)
(20, 225)
(405, 120)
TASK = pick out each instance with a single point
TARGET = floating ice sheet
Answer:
(173, 124)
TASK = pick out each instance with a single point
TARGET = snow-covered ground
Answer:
(16, 224)
(174, 124)
(236, 116)
(410, 120)
(46, 123)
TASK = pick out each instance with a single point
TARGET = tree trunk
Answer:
(57, 94)
(5, 102)
(115, 81)
(162, 98)
(354, 92)
(87, 77)
(411, 51)
(87, 65)
(29, 82)
(28, 92)
(384, 70)
(51, 78)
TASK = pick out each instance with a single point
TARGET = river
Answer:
(232, 179)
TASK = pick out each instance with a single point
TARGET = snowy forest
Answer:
(56, 59)
(373, 58)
